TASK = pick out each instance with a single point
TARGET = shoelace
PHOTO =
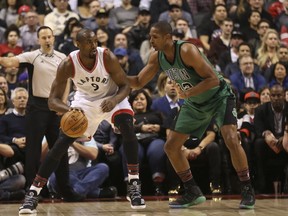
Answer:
(246, 192)
(30, 200)
(135, 191)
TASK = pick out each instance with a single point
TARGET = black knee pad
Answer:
(123, 119)
(124, 122)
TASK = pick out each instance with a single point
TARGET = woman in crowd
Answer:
(150, 135)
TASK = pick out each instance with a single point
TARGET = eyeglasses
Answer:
(283, 53)
(247, 63)
(261, 27)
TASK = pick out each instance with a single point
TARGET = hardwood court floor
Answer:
(227, 206)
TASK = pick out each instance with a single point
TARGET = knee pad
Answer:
(124, 122)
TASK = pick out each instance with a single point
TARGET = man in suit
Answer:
(269, 121)
(170, 98)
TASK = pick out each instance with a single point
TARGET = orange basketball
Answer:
(74, 123)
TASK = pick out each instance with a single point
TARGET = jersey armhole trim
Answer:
(73, 71)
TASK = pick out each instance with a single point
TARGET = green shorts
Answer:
(194, 119)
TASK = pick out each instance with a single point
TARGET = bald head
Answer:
(84, 34)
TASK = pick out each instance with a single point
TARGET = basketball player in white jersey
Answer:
(42, 65)
(102, 90)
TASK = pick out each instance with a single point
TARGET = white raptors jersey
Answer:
(95, 83)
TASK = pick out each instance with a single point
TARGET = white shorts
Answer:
(95, 115)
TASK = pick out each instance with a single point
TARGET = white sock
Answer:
(37, 189)
(132, 177)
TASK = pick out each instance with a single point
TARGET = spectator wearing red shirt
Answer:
(11, 35)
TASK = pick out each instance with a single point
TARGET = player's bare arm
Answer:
(146, 74)
(9, 62)
(64, 72)
(119, 77)
(191, 57)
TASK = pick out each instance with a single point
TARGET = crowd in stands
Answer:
(245, 40)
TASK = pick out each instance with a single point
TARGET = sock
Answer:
(38, 184)
(185, 176)
(244, 176)
(133, 171)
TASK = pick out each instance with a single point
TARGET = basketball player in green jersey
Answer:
(206, 95)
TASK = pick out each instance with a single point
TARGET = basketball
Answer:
(74, 123)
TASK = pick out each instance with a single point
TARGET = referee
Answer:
(42, 66)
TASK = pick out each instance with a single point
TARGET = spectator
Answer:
(159, 6)
(269, 123)
(13, 141)
(283, 53)
(250, 31)
(222, 43)
(243, 12)
(57, 19)
(94, 7)
(139, 32)
(12, 36)
(70, 43)
(123, 16)
(108, 143)
(169, 98)
(246, 127)
(22, 11)
(264, 95)
(150, 135)
(282, 19)
(3, 102)
(66, 32)
(83, 9)
(279, 75)
(267, 52)
(134, 59)
(183, 24)
(122, 55)
(174, 13)
(103, 38)
(233, 67)
(211, 29)
(4, 86)
(11, 74)
(84, 178)
(262, 27)
(28, 32)
(247, 79)
(9, 12)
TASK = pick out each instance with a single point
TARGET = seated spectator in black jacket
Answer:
(269, 121)
(13, 141)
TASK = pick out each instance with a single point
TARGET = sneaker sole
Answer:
(135, 207)
(246, 206)
(27, 211)
(197, 201)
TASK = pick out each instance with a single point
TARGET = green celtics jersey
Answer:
(187, 77)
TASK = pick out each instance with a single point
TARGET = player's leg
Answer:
(238, 156)
(47, 167)
(124, 122)
(173, 149)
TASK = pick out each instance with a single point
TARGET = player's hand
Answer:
(78, 109)
(108, 105)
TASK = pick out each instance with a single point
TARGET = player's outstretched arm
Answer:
(64, 72)
(146, 74)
